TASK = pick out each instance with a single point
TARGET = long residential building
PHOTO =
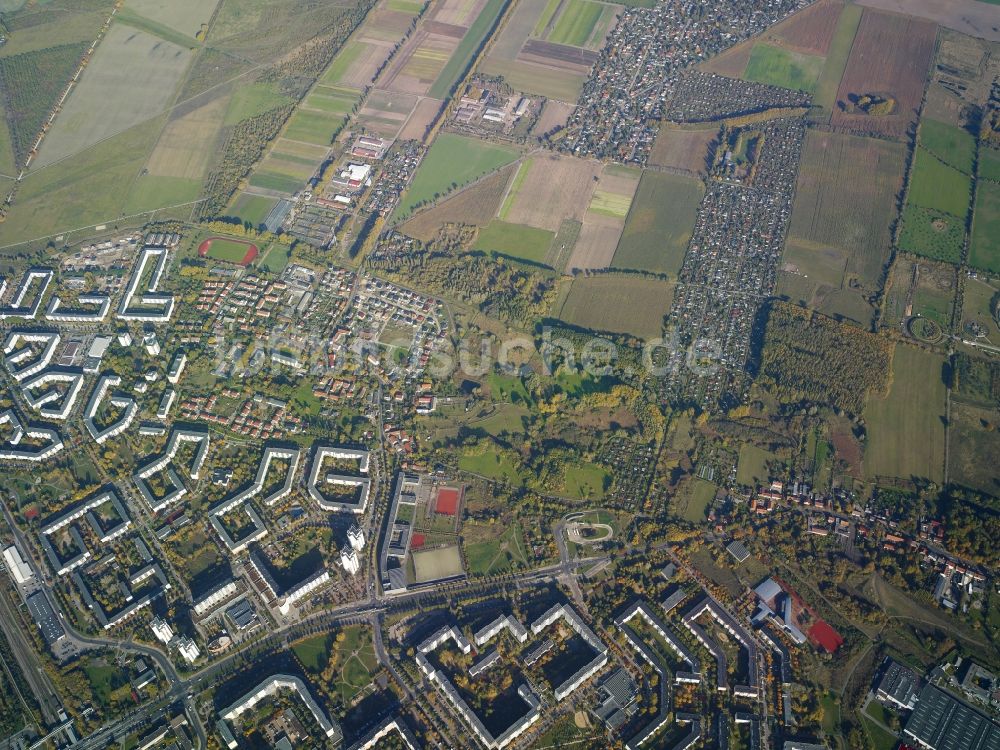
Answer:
(128, 406)
(271, 686)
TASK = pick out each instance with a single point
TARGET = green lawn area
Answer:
(881, 739)
(937, 186)
(313, 652)
(989, 162)
(576, 22)
(275, 258)
(659, 224)
(831, 713)
(515, 240)
(453, 161)
(508, 388)
(497, 555)
(274, 181)
(460, 59)
(252, 208)
(752, 467)
(151, 192)
(586, 480)
(781, 67)
(952, 145)
(984, 251)
(253, 99)
(101, 678)
(491, 466)
(699, 497)
(906, 428)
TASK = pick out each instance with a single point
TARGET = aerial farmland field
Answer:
(954, 146)
(938, 186)
(132, 77)
(476, 205)
(781, 67)
(847, 185)
(915, 406)
(618, 303)
(453, 161)
(684, 148)
(659, 224)
(890, 56)
(576, 22)
(515, 241)
(186, 16)
(984, 251)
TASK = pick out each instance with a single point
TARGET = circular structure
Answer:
(238, 252)
(924, 329)
(589, 533)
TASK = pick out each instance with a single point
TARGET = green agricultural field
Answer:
(954, 146)
(781, 67)
(906, 428)
(845, 202)
(989, 164)
(610, 204)
(932, 234)
(939, 187)
(618, 303)
(312, 127)
(522, 172)
(131, 78)
(825, 96)
(87, 189)
(462, 57)
(152, 192)
(659, 224)
(984, 251)
(333, 100)
(453, 161)
(343, 62)
(546, 18)
(253, 99)
(576, 22)
(563, 85)
(515, 240)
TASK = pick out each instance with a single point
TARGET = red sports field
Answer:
(417, 541)
(447, 501)
(824, 636)
(240, 252)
